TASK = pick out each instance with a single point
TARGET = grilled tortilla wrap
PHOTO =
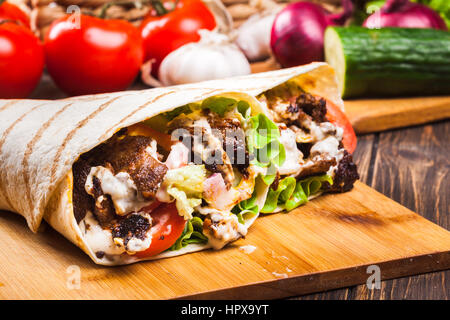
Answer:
(40, 141)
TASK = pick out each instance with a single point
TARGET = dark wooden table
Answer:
(409, 165)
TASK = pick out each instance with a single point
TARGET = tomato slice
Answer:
(337, 117)
(167, 227)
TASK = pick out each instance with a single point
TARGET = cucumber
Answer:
(389, 61)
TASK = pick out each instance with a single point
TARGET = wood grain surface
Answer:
(411, 166)
(374, 115)
(326, 244)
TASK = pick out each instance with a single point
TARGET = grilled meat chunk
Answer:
(317, 167)
(100, 205)
(220, 229)
(233, 140)
(104, 207)
(297, 109)
(82, 202)
(319, 141)
(345, 176)
(130, 154)
(316, 108)
(132, 226)
(217, 142)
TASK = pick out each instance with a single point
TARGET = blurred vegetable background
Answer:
(93, 46)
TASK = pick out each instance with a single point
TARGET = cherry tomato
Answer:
(338, 118)
(21, 60)
(9, 11)
(97, 56)
(166, 33)
(167, 227)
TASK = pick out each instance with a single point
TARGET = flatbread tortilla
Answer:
(41, 139)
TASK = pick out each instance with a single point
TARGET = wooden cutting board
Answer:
(374, 115)
(326, 244)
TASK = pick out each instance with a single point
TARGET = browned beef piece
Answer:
(103, 209)
(133, 225)
(214, 159)
(82, 202)
(119, 154)
(128, 154)
(319, 167)
(345, 176)
(296, 109)
(233, 140)
(312, 106)
(231, 136)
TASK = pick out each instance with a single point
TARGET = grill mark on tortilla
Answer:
(106, 135)
(2, 142)
(8, 104)
(117, 125)
(29, 150)
(71, 134)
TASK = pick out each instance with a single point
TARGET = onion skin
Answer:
(298, 31)
(297, 34)
(405, 14)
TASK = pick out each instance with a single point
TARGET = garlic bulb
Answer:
(254, 36)
(213, 57)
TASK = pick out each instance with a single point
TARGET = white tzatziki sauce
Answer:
(120, 187)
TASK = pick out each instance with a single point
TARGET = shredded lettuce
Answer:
(219, 105)
(291, 193)
(263, 142)
(246, 209)
(185, 185)
(192, 233)
(170, 115)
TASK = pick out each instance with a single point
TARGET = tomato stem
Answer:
(1, 2)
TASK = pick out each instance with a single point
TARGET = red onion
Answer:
(298, 29)
(405, 14)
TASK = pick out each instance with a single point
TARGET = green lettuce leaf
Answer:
(263, 142)
(219, 105)
(291, 193)
(192, 233)
(170, 115)
(246, 209)
(185, 185)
